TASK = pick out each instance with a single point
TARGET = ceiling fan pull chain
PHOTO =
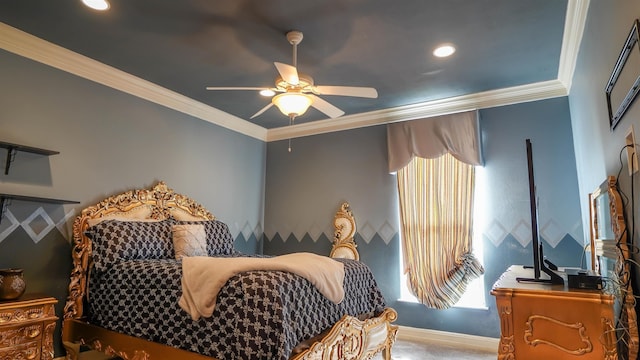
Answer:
(291, 118)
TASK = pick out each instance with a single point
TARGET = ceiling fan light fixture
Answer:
(292, 103)
(100, 5)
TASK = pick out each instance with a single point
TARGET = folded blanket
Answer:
(203, 277)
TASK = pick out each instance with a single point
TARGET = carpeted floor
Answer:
(405, 350)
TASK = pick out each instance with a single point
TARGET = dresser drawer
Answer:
(19, 314)
(29, 351)
(20, 334)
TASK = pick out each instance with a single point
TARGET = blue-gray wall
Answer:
(597, 148)
(305, 188)
(109, 142)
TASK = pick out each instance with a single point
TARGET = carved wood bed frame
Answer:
(350, 338)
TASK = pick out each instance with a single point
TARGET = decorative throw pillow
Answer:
(219, 240)
(189, 240)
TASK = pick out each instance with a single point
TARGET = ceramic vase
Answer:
(12, 284)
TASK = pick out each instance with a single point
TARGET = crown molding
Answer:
(575, 20)
(34, 48)
(507, 96)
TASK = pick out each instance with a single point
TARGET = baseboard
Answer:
(448, 338)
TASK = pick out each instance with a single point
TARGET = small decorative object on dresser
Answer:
(12, 284)
(26, 328)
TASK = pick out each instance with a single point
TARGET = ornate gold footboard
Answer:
(350, 338)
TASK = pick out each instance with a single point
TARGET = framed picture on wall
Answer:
(624, 82)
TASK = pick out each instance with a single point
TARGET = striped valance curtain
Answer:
(436, 204)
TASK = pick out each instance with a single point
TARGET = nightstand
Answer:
(26, 328)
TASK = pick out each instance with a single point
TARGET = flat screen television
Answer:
(539, 262)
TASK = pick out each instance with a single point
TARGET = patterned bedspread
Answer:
(259, 315)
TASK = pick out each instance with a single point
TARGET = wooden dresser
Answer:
(540, 321)
(26, 328)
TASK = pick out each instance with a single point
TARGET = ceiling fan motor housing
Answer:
(305, 83)
(294, 37)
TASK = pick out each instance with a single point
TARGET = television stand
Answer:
(554, 278)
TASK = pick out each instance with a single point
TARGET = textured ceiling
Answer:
(187, 45)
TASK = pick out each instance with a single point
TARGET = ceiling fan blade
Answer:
(262, 110)
(325, 107)
(366, 92)
(235, 88)
(288, 73)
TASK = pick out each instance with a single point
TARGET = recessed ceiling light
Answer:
(444, 50)
(267, 92)
(97, 4)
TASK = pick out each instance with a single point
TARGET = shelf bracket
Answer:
(4, 203)
(11, 156)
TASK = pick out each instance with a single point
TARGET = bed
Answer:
(126, 285)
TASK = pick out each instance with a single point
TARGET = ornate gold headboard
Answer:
(159, 202)
(344, 245)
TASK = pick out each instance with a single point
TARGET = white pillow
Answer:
(189, 240)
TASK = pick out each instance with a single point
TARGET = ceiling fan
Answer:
(297, 91)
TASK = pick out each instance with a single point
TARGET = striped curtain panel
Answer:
(436, 207)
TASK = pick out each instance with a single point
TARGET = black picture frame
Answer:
(621, 95)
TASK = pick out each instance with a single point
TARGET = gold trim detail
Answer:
(579, 327)
(344, 245)
(22, 314)
(30, 351)
(110, 351)
(20, 335)
(352, 339)
(47, 344)
(507, 346)
(608, 340)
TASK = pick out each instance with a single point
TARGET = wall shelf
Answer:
(12, 149)
(6, 198)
